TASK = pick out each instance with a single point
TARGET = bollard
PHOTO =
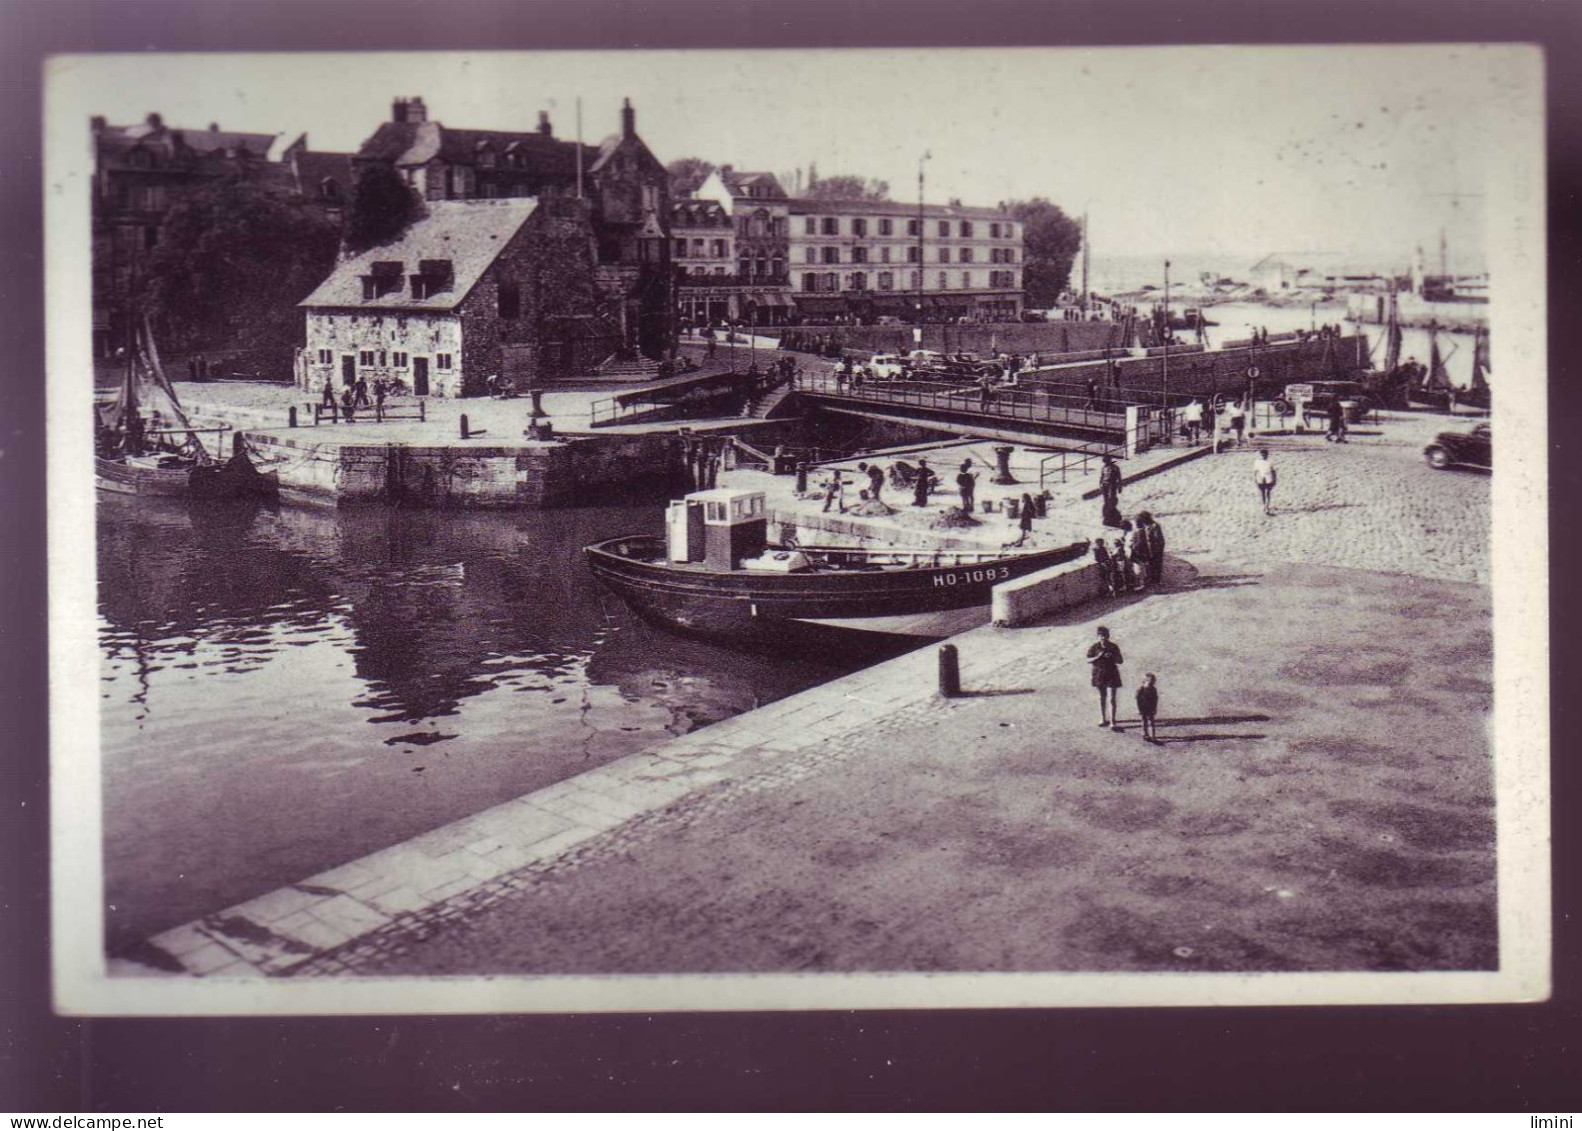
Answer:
(949, 672)
(801, 479)
(988, 506)
(1003, 452)
(465, 432)
(291, 417)
(1013, 507)
(1041, 505)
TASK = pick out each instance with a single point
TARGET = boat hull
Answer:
(922, 603)
(235, 479)
(129, 479)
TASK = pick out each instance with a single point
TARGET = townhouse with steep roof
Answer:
(475, 289)
(759, 293)
(625, 184)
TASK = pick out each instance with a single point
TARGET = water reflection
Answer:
(287, 689)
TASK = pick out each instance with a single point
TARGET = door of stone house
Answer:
(348, 369)
(420, 376)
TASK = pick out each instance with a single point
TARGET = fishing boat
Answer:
(144, 443)
(713, 574)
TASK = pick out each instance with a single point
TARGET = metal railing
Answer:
(377, 412)
(1001, 403)
(1086, 459)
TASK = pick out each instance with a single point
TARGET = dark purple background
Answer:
(1520, 1058)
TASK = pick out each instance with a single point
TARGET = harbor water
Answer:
(286, 689)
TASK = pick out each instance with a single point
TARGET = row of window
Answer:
(376, 359)
(700, 249)
(864, 255)
(830, 226)
(815, 282)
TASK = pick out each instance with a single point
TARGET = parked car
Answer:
(1465, 449)
(1353, 396)
(887, 366)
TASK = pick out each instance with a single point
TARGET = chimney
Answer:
(398, 110)
(416, 111)
(543, 124)
(97, 123)
(628, 119)
(154, 121)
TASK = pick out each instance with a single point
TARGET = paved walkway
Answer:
(1319, 802)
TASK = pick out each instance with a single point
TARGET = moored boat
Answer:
(715, 576)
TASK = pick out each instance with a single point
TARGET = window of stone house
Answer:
(944, 281)
(681, 249)
(697, 247)
(859, 226)
(832, 255)
(398, 359)
(886, 226)
(966, 255)
(809, 281)
(966, 280)
(944, 227)
(365, 357)
(884, 255)
(442, 361)
(1010, 255)
(966, 228)
(859, 281)
(911, 227)
(886, 281)
(831, 281)
(508, 299)
(832, 225)
(912, 254)
(994, 231)
(719, 249)
(778, 266)
(325, 357)
(811, 254)
(810, 225)
(944, 255)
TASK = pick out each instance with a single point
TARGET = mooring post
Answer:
(1003, 452)
(465, 432)
(801, 478)
(949, 672)
(291, 417)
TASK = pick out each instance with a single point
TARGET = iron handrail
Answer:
(1001, 403)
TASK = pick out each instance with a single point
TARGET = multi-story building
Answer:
(471, 290)
(759, 293)
(625, 184)
(863, 260)
(704, 253)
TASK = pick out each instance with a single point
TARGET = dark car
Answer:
(1465, 449)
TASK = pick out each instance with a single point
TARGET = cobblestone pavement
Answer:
(1320, 802)
(1372, 503)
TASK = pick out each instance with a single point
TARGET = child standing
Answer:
(1148, 707)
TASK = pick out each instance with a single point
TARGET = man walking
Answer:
(1193, 416)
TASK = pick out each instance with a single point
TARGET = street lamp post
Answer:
(1166, 381)
(917, 334)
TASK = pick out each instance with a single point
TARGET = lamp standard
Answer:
(917, 332)
(1166, 381)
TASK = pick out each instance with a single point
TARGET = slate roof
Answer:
(417, 143)
(698, 214)
(122, 138)
(739, 182)
(311, 170)
(801, 206)
(469, 233)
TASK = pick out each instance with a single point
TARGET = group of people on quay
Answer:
(355, 396)
(1135, 559)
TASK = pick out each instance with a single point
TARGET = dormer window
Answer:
(433, 277)
(486, 155)
(383, 278)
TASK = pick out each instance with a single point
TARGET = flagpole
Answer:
(579, 147)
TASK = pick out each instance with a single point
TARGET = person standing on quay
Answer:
(1156, 548)
(1148, 708)
(1192, 415)
(1024, 518)
(1110, 491)
(967, 484)
(1263, 474)
(1104, 655)
(921, 483)
(329, 393)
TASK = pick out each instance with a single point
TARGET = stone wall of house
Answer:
(561, 327)
(387, 334)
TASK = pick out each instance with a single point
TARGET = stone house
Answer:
(472, 290)
(760, 211)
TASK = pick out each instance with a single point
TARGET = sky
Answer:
(1364, 151)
